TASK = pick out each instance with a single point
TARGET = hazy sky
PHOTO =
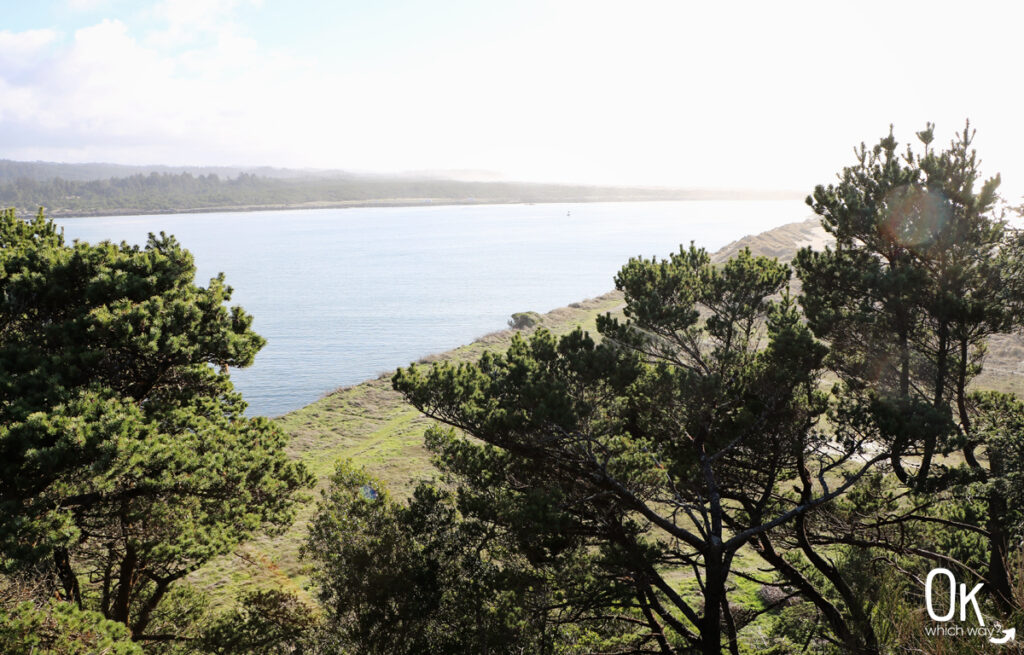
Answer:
(692, 94)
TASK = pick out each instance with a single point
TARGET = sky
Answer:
(757, 95)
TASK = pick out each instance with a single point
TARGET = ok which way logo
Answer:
(967, 599)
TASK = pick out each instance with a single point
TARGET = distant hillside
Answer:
(103, 189)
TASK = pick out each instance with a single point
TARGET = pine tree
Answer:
(126, 461)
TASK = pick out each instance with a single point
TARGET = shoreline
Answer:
(426, 202)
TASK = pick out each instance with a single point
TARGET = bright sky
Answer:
(692, 94)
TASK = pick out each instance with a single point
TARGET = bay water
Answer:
(343, 295)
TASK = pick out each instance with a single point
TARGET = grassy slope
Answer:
(371, 424)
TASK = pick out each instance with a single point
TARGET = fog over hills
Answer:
(101, 189)
(40, 171)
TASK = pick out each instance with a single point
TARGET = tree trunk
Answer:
(66, 575)
(125, 581)
(998, 577)
(937, 401)
(714, 596)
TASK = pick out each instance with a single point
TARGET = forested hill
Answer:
(126, 190)
(42, 171)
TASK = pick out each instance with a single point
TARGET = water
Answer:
(343, 295)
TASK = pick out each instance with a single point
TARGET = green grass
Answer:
(373, 426)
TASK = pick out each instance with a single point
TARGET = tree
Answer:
(663, 450)
(58, 628)
(420, 577)
(126, 461)
(922, 273)
(265, 622)
(921, 257)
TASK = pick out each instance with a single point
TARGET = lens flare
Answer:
(914, 216)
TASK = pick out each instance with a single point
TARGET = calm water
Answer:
(342, 295)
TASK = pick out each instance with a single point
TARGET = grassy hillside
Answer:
(372, 425)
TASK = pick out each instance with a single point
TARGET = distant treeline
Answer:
(41, 171)
(185, 191)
